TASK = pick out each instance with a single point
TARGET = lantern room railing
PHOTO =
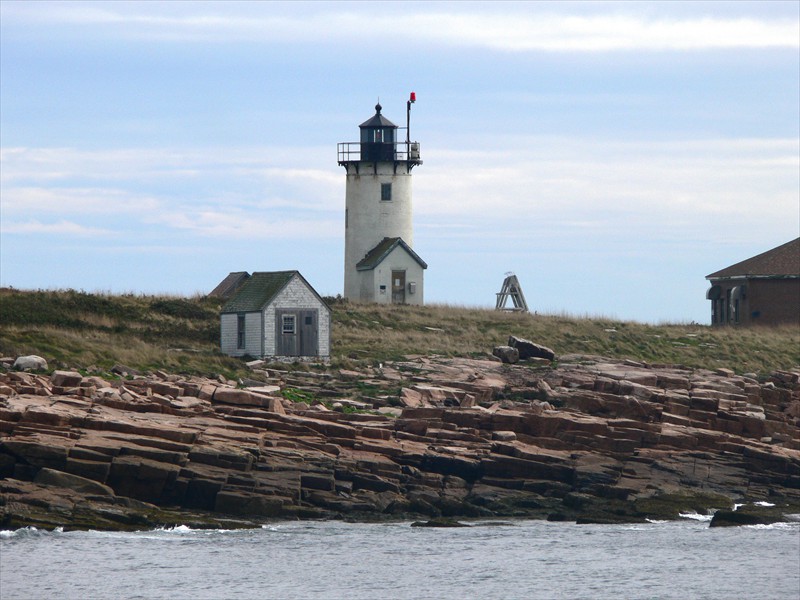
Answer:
(403, 151)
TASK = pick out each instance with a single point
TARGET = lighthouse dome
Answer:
(377, 120)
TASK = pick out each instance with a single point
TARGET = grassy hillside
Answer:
(80, 330)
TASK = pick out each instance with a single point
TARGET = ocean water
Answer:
(517, 559)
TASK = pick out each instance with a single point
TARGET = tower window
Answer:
(386, 191)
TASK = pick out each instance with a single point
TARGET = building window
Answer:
(240, 331)
(287, 326)
(386, 191)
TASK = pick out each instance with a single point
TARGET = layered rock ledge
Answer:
(588, 440)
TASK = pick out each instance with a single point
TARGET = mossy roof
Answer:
(258, 291)
(228, 286)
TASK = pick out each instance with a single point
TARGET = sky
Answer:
(611, 155)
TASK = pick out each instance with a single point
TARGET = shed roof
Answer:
(375, 256)
(228, 286)
(261, 288)
(782, 261)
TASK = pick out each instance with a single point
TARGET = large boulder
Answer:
(507, 354)
(527, 349)
(74, 482)
(66, 379)
(736, 518)
(30, 363)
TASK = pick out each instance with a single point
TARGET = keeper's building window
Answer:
(386, 191)
(288, 324)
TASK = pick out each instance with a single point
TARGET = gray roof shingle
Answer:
(375, 256)
(228, 286)
(258, 291)
(779, 262)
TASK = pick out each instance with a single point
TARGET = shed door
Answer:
(398, 287)
(296, 332)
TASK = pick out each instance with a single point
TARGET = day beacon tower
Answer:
(380, 264)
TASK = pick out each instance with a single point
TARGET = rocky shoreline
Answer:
(584, 439)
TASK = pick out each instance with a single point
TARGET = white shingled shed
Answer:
(276, 314)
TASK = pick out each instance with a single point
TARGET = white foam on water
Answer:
(186, 530)
(759, 503)
(793, 516)
(780, 525)
(28, 531)
(175, 529)
(9, 533)
(695, 516)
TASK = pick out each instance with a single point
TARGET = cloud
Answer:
(639, 190)
(546, 186)
(55, 200)
(238, 224)
(20, 163)
(147, 179)
(63, 228)
(522, 27)
(557, 33)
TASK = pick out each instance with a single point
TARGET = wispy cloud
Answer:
(61, 228)
(562, 178)
(609, 33)
(41, 199)
(203, 193)
(239, 224)
(550, 186)
(520, 27)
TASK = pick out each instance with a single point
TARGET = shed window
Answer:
(287, 326)
(386, 191)
(240, 331)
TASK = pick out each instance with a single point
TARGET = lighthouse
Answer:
(380, 264)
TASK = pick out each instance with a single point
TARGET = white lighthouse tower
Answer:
(380, 264)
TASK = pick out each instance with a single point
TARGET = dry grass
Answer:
(76, 329)
(387, 332)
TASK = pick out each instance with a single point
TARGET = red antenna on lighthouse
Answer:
(411, 99)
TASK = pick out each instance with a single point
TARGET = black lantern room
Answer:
(378, 138)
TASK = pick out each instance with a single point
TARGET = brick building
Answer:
(762, 290)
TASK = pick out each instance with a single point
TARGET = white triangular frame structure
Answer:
(511, 289)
